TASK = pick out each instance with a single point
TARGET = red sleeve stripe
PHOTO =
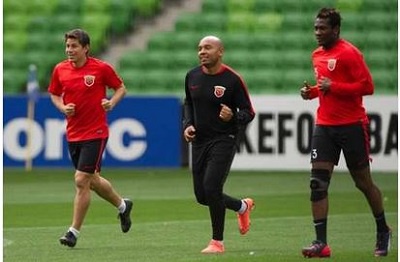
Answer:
(244, 86)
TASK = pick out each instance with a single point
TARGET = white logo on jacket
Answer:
(219, 91)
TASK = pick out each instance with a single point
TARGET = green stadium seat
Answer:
(149, 60)
(153, 81)
(121, 17)
(43, 62)
(131, 60)
(234, 6)
(296, 21)
(385, 80)
(182, 60)
(376, 39)
(266, 60)
(353, 21)
(40, 23)
(210, 6)
(14, 41)
(146, 7)
(16, 22)
(267, 41)
(381, 59)
(296, 60)
(268, 22)
(349, 5)
(241, 22)
(12, 7)
(40, 7)
(238, 60)
(246, 60)
(62, 23)
(262, 81)
(202, 23)
(130, 83)
(14, 81)
(382, 21)
(96, 6)
(68, 7)
(98, 26)
(298, 40)
(46, 41)
(280, 6)
(186, 22)
(375, 21)
(313, 6)
(385, 6)
(173, 41)
(237, 41)
(293, 79)
(14, 60)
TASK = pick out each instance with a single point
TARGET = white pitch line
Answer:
(171, 222)
(7, 242)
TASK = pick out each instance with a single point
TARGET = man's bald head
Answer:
(212, 40)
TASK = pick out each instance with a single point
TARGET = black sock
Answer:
(320, 226)
(381, 225)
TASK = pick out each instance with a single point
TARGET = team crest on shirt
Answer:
(89, 80)
(219, 91)
(331, 64)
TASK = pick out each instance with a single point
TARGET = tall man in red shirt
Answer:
(343, 78)
(78, 89)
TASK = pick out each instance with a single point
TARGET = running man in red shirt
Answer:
(78, 89)
(343, 78)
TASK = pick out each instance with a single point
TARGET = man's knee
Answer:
(201, 198)
(362, 179)
(319, 184)
(82, 180)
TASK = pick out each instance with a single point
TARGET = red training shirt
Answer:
(350, 79)
(85, 87)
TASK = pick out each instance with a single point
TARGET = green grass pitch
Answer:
(168, 224)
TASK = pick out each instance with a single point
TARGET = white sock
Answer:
(74, 231)
(243, 208)
(122, 206)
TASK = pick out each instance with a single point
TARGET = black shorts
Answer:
(87, 155)
(329, 141)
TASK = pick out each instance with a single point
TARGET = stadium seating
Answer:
(11, 7)
(210, 6)
(16, 22)
(68, 7)
(122, 16)
(269, 42)
(146, 7)
(35, 30)
(174, 41)
(201, 23)
(96, 6)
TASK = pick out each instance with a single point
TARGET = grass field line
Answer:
(206, 220)
(7, 242)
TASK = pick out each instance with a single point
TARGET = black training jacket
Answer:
(204, 95)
